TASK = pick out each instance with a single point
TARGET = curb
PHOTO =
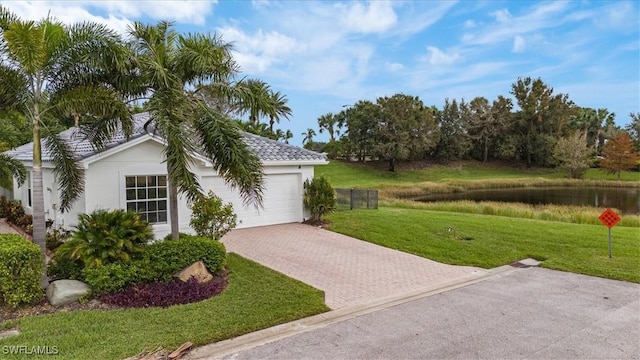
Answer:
(223, 348)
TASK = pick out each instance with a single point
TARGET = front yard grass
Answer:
(489, 241)
(256, 298)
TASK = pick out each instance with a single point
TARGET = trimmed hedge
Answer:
(169, 257)
(160, 262)
(21, 268)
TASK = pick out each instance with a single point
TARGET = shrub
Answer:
(117, 276)
(180, 236)
(21, 268)
(169, 257)
(104, 237)
(160, 262)
(166, 294)
(210, 218)
(3, 206)
(319, 197)
(56, 237)
(13, 211)
(62, 267)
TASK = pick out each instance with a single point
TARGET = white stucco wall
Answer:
(105, 187)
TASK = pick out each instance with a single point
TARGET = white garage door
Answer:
(282, 201)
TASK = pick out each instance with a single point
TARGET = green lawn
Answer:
(256, 298)
(357, 175)
(489, 241)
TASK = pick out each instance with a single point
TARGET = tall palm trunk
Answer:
(37, 199)
(173, 211)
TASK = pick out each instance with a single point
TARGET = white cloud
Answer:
(543, 16)
(117, 14)
(256, 53)
(393, 66)
(180, 11)
(519, 44)
(420, 15)
(438, 57)
(621, 16)
(502, 15)
(377, 17)
(469, 24)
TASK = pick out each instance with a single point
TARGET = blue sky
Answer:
(323, 55)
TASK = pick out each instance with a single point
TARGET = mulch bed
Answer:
(43, 307)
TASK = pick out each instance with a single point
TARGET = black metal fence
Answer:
(349, 199)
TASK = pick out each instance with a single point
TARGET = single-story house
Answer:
(130, 174)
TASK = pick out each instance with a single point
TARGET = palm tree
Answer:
(308, 136)
(48, 69)
(253, 96)
(11, 168)
(328, 122)
(278, 108)
(170, 63)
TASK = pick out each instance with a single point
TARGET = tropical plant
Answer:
(211, 218)
(169, 64)
(49, 69)
(104, 237)
(619, 154)
(319, 197)
(253, 96)
(329, 122)
(308, 137)
(278, 108)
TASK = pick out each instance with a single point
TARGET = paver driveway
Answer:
(348, 270)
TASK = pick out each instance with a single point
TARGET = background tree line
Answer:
(528, 128)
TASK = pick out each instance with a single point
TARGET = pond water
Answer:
(626, 200)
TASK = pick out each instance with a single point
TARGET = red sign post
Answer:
(609, 218)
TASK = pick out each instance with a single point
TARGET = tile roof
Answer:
(266, 149)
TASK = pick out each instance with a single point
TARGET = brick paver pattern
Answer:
(348, 270)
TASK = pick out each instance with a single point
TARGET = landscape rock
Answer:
(196, 270)
(62, 292)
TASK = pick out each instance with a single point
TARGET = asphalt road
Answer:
(532, 313)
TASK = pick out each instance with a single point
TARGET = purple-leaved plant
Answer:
(166, 294)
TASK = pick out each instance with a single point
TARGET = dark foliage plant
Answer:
(166, 294)
(65, 268)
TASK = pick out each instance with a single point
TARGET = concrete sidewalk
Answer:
(348, 270)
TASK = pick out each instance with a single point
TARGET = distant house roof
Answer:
(265, 149)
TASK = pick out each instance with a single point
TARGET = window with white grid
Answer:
(147, 194)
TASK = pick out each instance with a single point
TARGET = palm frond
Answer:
(10, 167)
(13, 92)
(170, 112)
(202, 58)
(67, 169)
(222, 142)
(103, 106)
(6, 18)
